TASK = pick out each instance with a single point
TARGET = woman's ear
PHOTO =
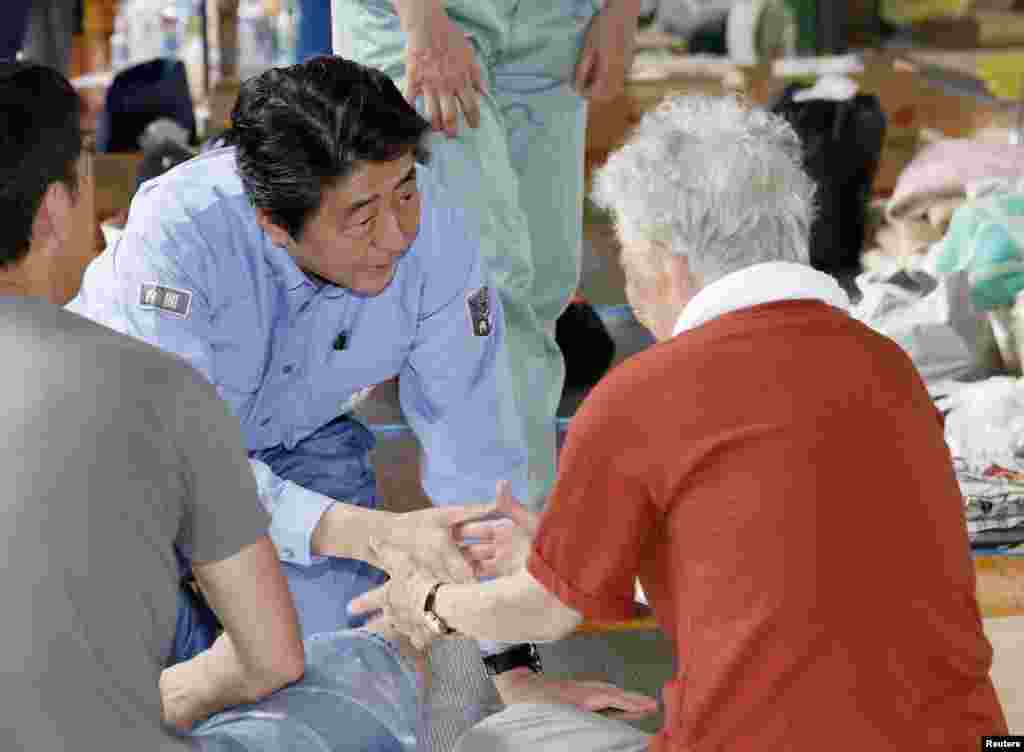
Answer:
(685, 284)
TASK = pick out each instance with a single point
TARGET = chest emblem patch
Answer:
(169, 299)
(479, 305)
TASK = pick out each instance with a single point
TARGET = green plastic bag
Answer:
(986, 238)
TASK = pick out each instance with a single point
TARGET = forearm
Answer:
(509, 609)
(214, 680)
(254, 656)
(306, 523)
(345, 531)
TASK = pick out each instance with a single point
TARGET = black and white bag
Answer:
(842, 144)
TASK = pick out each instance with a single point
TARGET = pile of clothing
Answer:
(985, 433)
(930, 189)
(947, 284)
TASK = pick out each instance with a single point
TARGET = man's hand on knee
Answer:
(440, 66)
(522, 685)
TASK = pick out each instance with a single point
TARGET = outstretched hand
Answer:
(499, 547)
(430, 538)
(400, 600)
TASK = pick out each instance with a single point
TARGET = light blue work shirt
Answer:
(195, 275)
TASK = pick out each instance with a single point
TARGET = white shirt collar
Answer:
(761, 283)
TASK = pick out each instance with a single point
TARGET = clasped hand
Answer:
(487, 547)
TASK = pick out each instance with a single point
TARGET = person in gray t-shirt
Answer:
(114, 452)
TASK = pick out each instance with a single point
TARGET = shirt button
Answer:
(288, 368)
(265, 421)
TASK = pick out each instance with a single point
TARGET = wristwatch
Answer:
(437, 624)
(515, 657)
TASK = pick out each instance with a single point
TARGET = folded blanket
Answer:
(943, 170)
(993, 497)
(905, 237)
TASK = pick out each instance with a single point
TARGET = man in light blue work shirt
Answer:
(310, 259)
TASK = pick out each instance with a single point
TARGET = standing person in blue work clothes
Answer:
(311, 259)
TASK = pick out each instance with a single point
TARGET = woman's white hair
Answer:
(713, 180)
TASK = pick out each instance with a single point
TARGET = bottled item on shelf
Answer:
(191, 52)
(256, 43)
(120, 44)
(287, 24)
(170, 34)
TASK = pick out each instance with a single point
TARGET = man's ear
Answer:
(53, 219)
(277, 234)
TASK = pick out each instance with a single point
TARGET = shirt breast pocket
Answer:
(238, 378)
(239, 352)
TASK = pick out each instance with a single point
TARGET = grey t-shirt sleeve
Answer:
(223, 513)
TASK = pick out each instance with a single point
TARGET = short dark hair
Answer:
(301, 129)
(40, 143)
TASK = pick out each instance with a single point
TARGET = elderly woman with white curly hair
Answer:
(762, 472)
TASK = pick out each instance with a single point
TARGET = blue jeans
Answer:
(357, 695)
(335, 462)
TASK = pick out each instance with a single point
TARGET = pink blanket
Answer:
(943, 170)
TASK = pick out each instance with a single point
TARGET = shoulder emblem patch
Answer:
(169, 299)
(479, 305)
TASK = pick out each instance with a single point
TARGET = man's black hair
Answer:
(301, 129)
(40, 143)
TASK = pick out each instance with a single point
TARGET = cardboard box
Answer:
(1000, 29)
(911, 105)
(960, 33)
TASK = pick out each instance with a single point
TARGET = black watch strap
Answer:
(515, 657)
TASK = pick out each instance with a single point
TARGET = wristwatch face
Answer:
(524, 655)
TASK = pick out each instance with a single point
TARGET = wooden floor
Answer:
(1007, 638)
(1001, 586)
